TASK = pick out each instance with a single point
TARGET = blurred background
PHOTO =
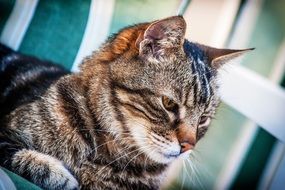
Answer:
(244, 147)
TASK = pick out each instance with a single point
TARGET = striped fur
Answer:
(106, 126)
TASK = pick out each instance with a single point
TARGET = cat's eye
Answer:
(204, 120)
(169, 104)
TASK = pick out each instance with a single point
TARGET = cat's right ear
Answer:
(161, 38)
(218, 57)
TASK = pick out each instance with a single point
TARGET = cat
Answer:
(143, 99)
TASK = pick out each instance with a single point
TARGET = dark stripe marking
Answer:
(71, 109)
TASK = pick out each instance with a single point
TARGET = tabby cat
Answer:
(146, 97)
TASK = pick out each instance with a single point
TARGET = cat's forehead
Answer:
(183, 71)
(198, 60)
(201, 72)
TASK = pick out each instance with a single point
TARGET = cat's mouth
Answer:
(171, 155)
(175, 154)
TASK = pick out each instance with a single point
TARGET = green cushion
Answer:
(19, 182)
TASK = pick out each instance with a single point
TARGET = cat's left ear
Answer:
(218, 57)
(162, 37)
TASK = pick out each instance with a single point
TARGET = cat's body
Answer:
(24, 79)
(33, 127)
(107, 127)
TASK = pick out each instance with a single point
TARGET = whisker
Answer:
(113, 140)
(131, 160)
(102, 169)
(183, 179)
(196, 175)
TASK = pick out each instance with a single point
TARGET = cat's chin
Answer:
(162, 158)
(168, 158)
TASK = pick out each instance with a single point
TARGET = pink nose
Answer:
(185, 146)
(186, 137)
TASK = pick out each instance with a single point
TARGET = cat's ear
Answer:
(218, 57)
(162, 37)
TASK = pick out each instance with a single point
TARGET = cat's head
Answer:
(154, 89)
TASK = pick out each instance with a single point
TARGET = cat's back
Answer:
(24, 79)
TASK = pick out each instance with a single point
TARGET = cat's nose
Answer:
(185, 146)
(186, 137)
